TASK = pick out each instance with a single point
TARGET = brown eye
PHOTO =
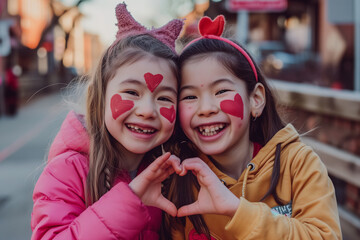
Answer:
(132, 93)
(189, 98)
(166, 99)
(222, 91)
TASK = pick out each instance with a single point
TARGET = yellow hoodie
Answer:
(310, 211)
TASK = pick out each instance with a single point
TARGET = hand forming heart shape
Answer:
(213, 196)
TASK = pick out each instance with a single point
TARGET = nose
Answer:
(146, 108)
(207, 106)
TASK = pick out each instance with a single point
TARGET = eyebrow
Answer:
(221, 80)
(132, 81)
(140, 83)
(216, 82)
(166, 88)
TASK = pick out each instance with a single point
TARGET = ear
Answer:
(257, 100)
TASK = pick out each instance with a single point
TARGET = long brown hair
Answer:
(104, 156)
(180, 190)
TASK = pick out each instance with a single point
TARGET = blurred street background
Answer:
(309, 49)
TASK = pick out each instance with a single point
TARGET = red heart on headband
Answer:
(152, 81)
(212, 27)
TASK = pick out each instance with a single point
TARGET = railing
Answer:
(338, 106)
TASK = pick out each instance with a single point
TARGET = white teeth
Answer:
(139, 130)
(211, 130)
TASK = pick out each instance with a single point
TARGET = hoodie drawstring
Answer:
(249, 167)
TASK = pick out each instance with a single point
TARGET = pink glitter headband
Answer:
(128, 26)
(213, 30)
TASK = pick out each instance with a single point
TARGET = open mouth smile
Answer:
(211, 130)
(142, 130)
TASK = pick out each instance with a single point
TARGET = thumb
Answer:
(167, 206)
(190, 209)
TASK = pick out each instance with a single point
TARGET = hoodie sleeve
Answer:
(59, 210)
(314, 209)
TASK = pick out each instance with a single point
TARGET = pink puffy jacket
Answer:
(59, 210)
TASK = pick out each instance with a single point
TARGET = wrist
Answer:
(133, 188)
(233, 206)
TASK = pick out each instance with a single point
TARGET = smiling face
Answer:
(214, 107)
(141, 104)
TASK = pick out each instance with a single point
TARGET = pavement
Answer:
(24, 141)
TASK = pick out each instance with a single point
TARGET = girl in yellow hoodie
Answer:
(254, 179)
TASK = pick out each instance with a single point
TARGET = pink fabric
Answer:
(59, 210)
(128, 26)
(72, 136)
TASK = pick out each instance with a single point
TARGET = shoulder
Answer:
(301, 157)
(71, 136)
(68, 162)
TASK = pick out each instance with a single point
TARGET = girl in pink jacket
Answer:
(101, 181)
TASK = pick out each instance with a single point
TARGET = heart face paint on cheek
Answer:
(233, 107)
(168, 113)
(152, 81)
(119, 106)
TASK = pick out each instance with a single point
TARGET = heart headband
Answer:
(213, 29)
(128, 26)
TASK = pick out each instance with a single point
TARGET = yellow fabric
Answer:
(303, 182)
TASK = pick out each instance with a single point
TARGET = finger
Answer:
(165, 173)
(190, 209)
(159, 161)
(194, 160)
(167, 206)
(170, 171)
(194, 166)
(174, 161)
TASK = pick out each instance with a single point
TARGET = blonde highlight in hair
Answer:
(104, 154)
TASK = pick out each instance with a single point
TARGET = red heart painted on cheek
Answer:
(119, 106)
(235, 108)
(152, 81)
(168, 113)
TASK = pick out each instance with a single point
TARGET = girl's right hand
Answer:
(147, 185)
(213, 196)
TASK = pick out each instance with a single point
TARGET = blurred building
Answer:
(312, 37)
(48, 44)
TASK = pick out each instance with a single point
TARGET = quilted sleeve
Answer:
(59, 210)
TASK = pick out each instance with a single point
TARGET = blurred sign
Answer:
(35, 16)
(257, 5)
(48, 46)
(5, 45)
(341, 12)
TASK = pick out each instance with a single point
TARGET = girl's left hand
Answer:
(147, 185)
(213, 196)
